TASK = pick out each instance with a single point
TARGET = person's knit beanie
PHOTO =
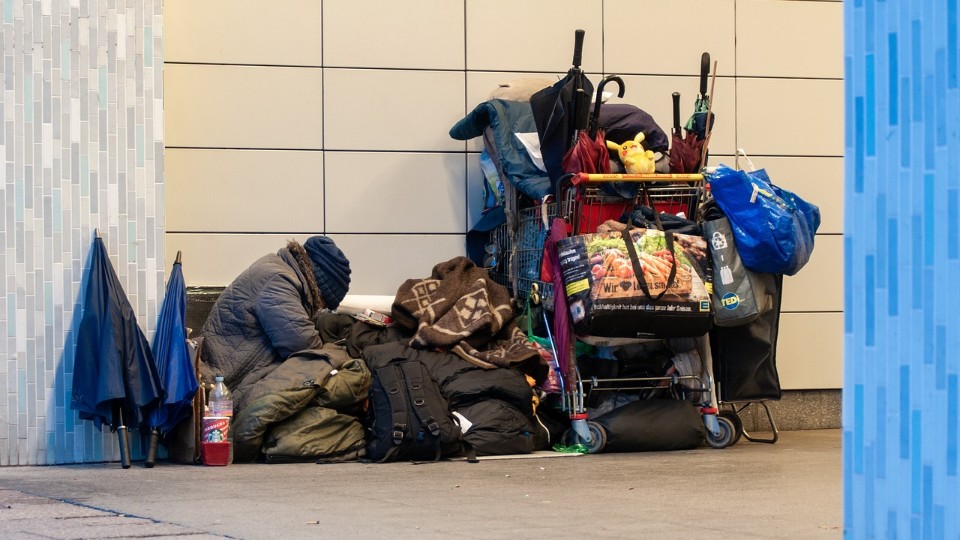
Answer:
(330, 268)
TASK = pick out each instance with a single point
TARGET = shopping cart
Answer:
(584, 203)
(519, 242)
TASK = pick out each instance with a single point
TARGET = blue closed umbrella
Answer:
(173, 361)
(115, 381)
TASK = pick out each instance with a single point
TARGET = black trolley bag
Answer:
(745, 357)
(408, 418)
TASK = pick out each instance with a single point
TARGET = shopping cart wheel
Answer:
(737, 424)
(598, 438)
(726, 434)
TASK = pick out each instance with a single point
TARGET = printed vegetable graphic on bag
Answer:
(606, 297)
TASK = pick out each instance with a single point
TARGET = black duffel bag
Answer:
(652, 425)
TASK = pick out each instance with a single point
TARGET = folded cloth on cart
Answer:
(507, 120)
(643, 216)
(621, 122)
(520, 89)
(461, 310)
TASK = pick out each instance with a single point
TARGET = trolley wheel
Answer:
(736, 421)
(598, 438)
(726, 436)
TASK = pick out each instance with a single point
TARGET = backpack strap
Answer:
(469, 452)
(413, 372)
(392, 379)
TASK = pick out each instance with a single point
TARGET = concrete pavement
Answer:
(791, 489)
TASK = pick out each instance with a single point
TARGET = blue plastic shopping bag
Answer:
(774, 228)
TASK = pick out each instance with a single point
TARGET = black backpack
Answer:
(408, 418)
(494, 427)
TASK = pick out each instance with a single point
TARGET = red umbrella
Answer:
(684, 151)
(589, 153)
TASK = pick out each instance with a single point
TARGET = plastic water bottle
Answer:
(220, 402)
(216, 425)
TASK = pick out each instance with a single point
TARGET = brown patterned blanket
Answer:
(461, 310)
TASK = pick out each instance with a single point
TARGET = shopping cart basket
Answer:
(584, 204)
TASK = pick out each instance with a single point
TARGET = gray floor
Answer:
(791, 489)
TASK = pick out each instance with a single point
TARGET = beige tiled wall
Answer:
(285, 119)
(202, 183)
(221, 106)
(414, 34)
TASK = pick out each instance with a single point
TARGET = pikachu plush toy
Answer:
(635, 159)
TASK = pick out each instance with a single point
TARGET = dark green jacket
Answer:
(306, 409)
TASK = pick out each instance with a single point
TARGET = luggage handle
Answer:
(582, 178)
(736, 160)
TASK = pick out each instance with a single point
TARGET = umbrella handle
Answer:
(704, 72)
(577, 47)
(610, 78)
(676, 113)
(152, 449)
(595, 119)
(124, 438)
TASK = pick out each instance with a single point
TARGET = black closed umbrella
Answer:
(560, 111)
(115, 381)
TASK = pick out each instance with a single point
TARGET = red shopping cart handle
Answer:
(581, 178)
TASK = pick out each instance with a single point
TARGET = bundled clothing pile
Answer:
(461, 310)
(494, 408)
(326, 402)
(307, 409)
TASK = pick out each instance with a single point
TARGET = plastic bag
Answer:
(654, 285)
(735, 289)
(774, 228)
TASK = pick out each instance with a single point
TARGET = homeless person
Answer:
(269, 312)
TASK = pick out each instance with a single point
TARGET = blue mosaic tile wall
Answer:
(902, 262)
(82, 148)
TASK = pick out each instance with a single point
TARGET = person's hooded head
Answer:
(331, 269)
